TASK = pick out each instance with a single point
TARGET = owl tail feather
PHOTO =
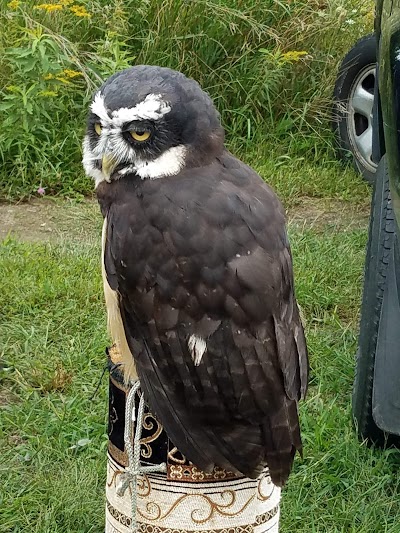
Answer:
(282, 437)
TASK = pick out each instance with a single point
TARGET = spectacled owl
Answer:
(197, 274)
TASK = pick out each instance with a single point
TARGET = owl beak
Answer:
(108, 165)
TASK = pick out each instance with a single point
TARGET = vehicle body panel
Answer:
(389, 92)
(386, 383)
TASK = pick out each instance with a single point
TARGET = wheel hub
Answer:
(360, 106)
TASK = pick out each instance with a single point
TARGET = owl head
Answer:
(151, 122)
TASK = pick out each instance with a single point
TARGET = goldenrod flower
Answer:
(79, 11)
(71, 73)
(63, 80)
(293, 55)
(370, 16)
(48, 93)
(64, 75)
(13, 4)
(49, 7)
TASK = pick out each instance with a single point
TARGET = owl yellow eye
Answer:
(140, 135)
(97, 128)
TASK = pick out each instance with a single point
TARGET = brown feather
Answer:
(205, 253)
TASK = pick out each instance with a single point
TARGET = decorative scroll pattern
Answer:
(150, 528)
(231, 506)
(150, 423)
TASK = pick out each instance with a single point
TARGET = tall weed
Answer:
(269, 67)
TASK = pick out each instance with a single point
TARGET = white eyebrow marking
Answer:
(99, 109)
(153, 107)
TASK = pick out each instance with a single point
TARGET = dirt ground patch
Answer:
(52, 220)
(324, 213)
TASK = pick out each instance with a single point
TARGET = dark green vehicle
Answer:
(369, 85)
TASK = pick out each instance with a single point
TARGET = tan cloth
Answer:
(164, 506)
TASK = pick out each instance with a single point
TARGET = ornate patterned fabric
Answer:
(184, 499)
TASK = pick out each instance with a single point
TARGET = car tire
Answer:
(381, 239)
(353, 98)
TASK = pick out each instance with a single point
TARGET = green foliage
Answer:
(34, 133)
(269, 66)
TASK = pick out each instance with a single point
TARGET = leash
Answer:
(134, 468)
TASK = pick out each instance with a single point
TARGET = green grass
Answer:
(52, 336)
(294, 178)
(53, 340)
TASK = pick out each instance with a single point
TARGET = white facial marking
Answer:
(167, 164)
(111, 141)
(88, 160)
(99, 109)
(197, 347)
(127, 170)
(153, 107)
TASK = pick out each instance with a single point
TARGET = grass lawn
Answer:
(52, 338)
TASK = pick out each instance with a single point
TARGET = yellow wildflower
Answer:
(12, 88)
(370, 16)
(71, 73)
(13, 4)
(49, 7)
(64, 75)
(79, 11)
(293, 55)
(48, 93)
(65, 2)
(63, 80)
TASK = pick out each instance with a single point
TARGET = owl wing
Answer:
(203, 270)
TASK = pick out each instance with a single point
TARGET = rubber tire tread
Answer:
(381, 238)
